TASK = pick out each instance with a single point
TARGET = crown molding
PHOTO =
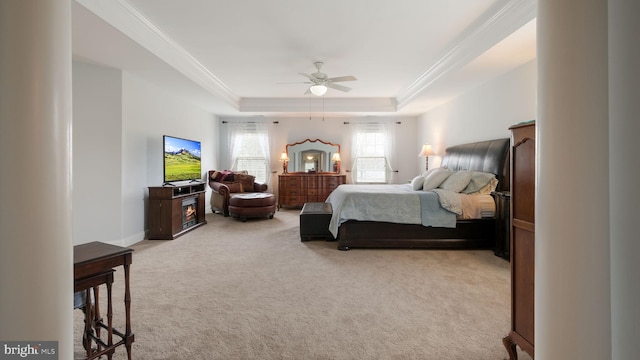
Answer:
(127, 19)
(496, 24)
(318, 104)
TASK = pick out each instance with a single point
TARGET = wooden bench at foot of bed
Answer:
(314, 221)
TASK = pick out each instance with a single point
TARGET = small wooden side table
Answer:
(93, 260)
(92, 320)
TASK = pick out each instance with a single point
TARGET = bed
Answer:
(385, 232)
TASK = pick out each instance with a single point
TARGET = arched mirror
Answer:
(311, 156)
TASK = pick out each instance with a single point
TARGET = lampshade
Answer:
(336, 157)
(426, 151)
(318, 89)
(284, 156)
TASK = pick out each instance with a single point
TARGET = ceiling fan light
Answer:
(318, 89)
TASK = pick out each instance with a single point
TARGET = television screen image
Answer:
(181, 159)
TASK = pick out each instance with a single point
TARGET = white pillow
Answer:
(435, 178)
(417, 182)
(478, 181)
(487, 189)
(457, 181)
(432, 170)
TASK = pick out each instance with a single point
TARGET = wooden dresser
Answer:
(295, 189)
(523, 168)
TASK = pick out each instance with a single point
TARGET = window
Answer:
(249, 149)
(250, 157)
(371, 169)
(372, 143)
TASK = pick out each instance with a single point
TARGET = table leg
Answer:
(109, 319)
(96, 314)
(127, 306)
(88, 322)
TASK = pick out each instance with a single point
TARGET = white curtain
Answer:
(235, 131)
(263, 130)
(389, 133)
(357, 147)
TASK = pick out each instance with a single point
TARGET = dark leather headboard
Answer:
(490, 156)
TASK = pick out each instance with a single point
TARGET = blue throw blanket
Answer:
(432, 213)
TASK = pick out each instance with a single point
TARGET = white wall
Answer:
(482, 113)
(97, 153)
(119, 120)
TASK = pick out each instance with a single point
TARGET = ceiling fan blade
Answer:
(339, 87)
(342, 78)
(320, 78)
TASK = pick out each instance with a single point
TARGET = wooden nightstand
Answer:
(503, 219)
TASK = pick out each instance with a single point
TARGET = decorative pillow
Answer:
(417, 182)
(227, 175)
(478, 181)
(221, 176)
(434, 179)
(432, 170)
(246, 181)
(487, 189)
(234, 186)
(457, 181)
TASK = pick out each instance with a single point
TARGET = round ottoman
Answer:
(248, 205)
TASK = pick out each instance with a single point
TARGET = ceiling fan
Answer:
(321, 82)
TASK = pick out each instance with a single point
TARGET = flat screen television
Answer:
(181, 159)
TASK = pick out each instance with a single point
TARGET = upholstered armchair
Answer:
(226, 184)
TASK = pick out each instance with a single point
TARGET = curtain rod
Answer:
(248, 122)
(372, 122)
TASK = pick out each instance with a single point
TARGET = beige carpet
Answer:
(253, 290)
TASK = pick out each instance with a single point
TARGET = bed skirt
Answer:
(468, 234)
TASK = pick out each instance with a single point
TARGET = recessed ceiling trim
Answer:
(318, 105)
(496, 24)
(128, 20)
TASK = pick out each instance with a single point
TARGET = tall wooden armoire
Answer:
(523, 171)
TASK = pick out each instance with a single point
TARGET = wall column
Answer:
(36, 262)
(572, 271)
(624, 165)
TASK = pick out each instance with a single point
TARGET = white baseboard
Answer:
(133, 239)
